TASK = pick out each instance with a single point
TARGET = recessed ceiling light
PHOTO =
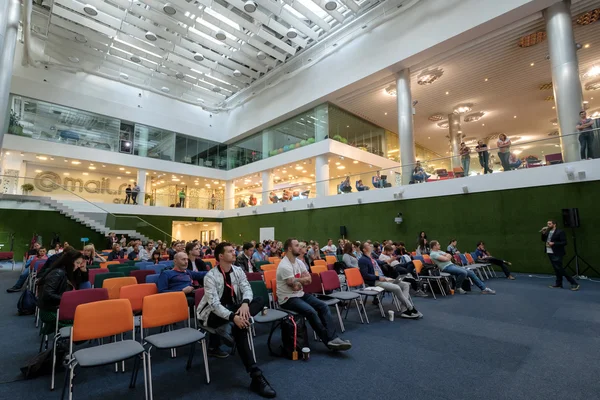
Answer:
(38, 170)
(103, 166)
(515, 116)
(331, 6)
(250, 6)
(64, 160)
(85, 173)
(220, 35)
(198, 57)
(486, 79)
(123, 75)
(121, 169)
(384, 113)
(179, 75)
(80, 39)
(165, 89)
(237, 73)
(587, 46)
(90, 10)
(261, 55)
(135, 58)
(428, 137)
(532, 64)
(341, 167)
(447, 92)
(216, 89)
(169, 9)
(463, 108)
(150, 36)
(73, 59)
(354, 162)
(482, 124)
(291, 33)
(337, 163)
(66, 173)
(75, 162)
(92, 167)
(127, 172)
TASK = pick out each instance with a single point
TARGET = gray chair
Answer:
(167, 309)
(331, 283)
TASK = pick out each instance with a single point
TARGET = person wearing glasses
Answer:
(586, 137)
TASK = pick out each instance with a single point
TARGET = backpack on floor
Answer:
(26, 304)
(294, 336)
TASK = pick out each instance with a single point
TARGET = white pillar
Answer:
(406, 139)
(10, 14)
(267, 186)
(455, 138)
(141, 182)
(229, 195)
(568, 95)
(321, 122)
(267, 142)
(322, 175)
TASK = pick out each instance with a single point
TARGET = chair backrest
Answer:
(164, 309)
(259, 264)
(469, 258)
(99, 278)
(211, 261)
(474, 256)
(141, 275)
(274, 260)
(141, 263)
(274, 292)
(101, 319)
(115, 267)
(96, 271)
(71, 299)
(353, 277)
(457, 259)
(259, 289)
(315, 284)
(330, 280)
(330, 259)
(136, 293)
(114, 285)
(414, 253)
(38, 264)
(198, 295)
(320, 262)
(127, 269)
(317, 269)
(463, 259)
(253, 276)
(268, 267)
(269, 276)
(107, 263)
(152, 278)
(427, 259)
(420, 258)
(418, 265)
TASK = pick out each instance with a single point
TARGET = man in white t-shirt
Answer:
(330, 249)
(292, 275)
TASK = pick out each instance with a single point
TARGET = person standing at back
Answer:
(127, 195)
(504, 150)
(134, 192)
(465, 158)
(586, 137)
(182, 198)
(556, 241)
(484, 156)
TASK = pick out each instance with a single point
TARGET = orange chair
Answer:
(427, 259)
(268, 267)
(274, 260)
(317, 269)
(210, 261)
(273, 283)
(106, 251)
(136, 293)
(330, 260)
(98, 320)
(320, 262)
(270, 276)
(355, 279)
(418, 267)
(114, 285)
(165, 309)
(107, 263)
(469, 258)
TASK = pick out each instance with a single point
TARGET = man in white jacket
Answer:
(227, 307)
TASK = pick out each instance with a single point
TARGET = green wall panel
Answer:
(24, 223)
(508, 221)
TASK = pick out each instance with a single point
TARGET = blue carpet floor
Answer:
(527, 342)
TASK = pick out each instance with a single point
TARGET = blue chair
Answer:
(165, 261)
(152, 279)
(420, 258)
(474, 267)
(158, 268)
(463, 259)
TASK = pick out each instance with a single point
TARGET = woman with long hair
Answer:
(349, 258)
(90, 255)
(155, 257)
(423, 247)
(422, 235)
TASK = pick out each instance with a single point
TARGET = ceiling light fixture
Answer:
(135, 58)
(198, 57)
(123, 75)
(592, 72)
(261, 55)
(462, 108)
(165, 89)
(589, 17)
(587, 46)
(75, 162)
(237, 73)
(331, 6)
(291, 33)
(80, 39)
(73, 59)
(474, 117)
(532, 39)
(391, 90)
(90, 10)
(169, 9)
(595, 85)
(436, 117)
(220, 35)
(150, 36)
(216, 89)
(250, 6)
(91, 167)
(429, 76)
(443, 125)
(179, 75)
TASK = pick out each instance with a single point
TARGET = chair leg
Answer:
(431, 288)
(134, 372)
(362, 303)
(146, 380)
(442, 291)
(56, 337)
(191, 356)
(251, 342)
(205, 354)
(340, 318)
(149, 362)
(122, 362)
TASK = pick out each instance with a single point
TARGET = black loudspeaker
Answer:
(343, 231)
(570, 217)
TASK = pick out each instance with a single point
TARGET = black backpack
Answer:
(339, 267)
(26, 304)
(294, 336)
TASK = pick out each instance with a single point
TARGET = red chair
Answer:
(331, 283)
(141, 275)
(316, 287)
(254, 276)
(66, 312)
(457, 260)
(97, 271)
(8, 256)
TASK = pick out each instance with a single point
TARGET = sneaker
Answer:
(420, 293)
(408, 315)
(487, 290)
(510, 277)
(218, 352)
(415, 312)
(574, 288)
(460, 291)
(339, 344)
(508, 263)
(555, 287)
(261, 386)
(13, 289)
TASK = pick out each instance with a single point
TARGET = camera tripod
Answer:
(577, 258)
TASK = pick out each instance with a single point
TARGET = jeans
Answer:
(420, 177)
(134, 197)
(586, 140)
(85, 285)
(182, 202)
(22, 278)
(127, 199)
(498, 262)
(240, 336)
(504, 160)
(401, 290)
(466, 163)
(484, 161)
(560, 271)
(317, 313)
(461, 273)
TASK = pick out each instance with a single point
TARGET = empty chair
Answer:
(268, 267)
(96, 271)
(107, 263)
(317, 269)
(99, 279)
(140, 275)
(113, 285)
(254, 276)
(320, 262)
(331, 260)
(165, 309)
(331, 283)
(418, 267)
(152, 278)
(274, 260)
(136, 293)
(98, 320)
(269, 277)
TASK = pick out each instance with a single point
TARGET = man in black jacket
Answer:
(556, 240)
(244, 259)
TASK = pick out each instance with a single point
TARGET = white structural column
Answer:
(141, 182)
(267, 186)
(322, 175)
(568, 95)
(229, 195)
(10, 13)
(455, 136)
(268, 142)
(406, 138)
(321, 122)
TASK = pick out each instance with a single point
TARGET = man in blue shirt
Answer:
(180, 279)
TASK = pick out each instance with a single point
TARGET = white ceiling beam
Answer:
(291, 19)
(237, 81)
(102, 17)
(68, 34)
(68, 45)
(351, 4)
(160, 18)
(138, 33)
(296, 5)
(81, 20)
(180, 67)
(141, 44)
(149, 26)
(277, 42)
(105, 7)
(128, 50)
(334, 13)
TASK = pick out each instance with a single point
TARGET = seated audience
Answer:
(227, 307)
(402, 267)
(375, 250)
(180, 279)
(373, 276)
(156, 257)
(135, 253)
(513, 161)
(291, 277)
(423, 247)
(482, 255)
(252, 201)
(211, 248)
(116, 253)
(57, 249)
(287, 196)
(349, 258)
(360, 187)
(242, 203)
(444, 262)
(378, 181)
(419, 174)
(303, 246)
(162, 249)
(356, 250)
(314, 253)
(345, 186)
(452, 247)
(273, 197)
(244, 258)
(146, 252)
(41, 255)
(90, 256)
(259, 253)
(195, 262)
(330, 249)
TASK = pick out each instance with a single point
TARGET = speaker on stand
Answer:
(571, 220)
(343, 232)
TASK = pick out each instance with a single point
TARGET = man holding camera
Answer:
(556, 241)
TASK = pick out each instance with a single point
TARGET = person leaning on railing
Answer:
(586, 137)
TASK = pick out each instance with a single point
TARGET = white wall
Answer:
(184, 230)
